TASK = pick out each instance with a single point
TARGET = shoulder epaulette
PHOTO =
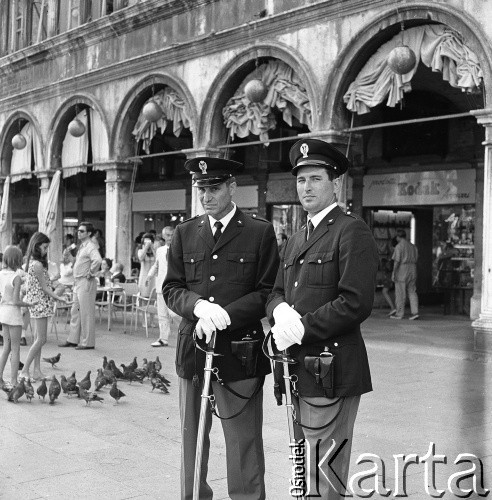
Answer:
(255, 217)
(354, 216)
(190, 219)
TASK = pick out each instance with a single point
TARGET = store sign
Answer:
(442, 187)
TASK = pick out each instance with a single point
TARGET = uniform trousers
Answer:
(323, 481)
(243, 437)
(83, 313)
(406, 283)
(164, 318)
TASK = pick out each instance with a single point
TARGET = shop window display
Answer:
(454, 252)
(453, 247)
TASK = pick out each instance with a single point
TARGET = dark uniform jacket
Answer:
(237, 273)
(330, 280)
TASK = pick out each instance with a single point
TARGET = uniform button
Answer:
(285, 266)
(212, 278)
(215, 257)
(319, 261)
(293, 307)
(211, 299)
(295, 284)
(241, 260)
(336, 344)
(192, 260)
(301, 261)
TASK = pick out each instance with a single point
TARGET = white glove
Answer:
(202, 329)
(283, 313)
(286, 334)
(213, 315)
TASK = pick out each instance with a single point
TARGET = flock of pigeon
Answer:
(108, 375)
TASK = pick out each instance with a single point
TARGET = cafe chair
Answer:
(148, 307)
(61, 310)
(123, 300)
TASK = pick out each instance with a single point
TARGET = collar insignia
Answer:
(203, 167)
(304, 150)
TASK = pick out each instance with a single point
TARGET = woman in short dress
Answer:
(39, 291)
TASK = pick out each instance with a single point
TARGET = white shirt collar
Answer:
(321, 215)
(225, 220)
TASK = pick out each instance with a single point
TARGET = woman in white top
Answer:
(10, 312)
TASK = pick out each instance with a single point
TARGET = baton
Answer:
(209, 356)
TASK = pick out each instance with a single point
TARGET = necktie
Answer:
(218, 231)
(310, 229)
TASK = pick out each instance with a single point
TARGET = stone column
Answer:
(52, 18)
(119, 234)
(476, 299)
(357, 174)
(262, 179)
(483, 325)
(6, 234)
(196, 207)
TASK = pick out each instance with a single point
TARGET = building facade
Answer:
(420, 141)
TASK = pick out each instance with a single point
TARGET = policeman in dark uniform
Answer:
(323, 291)
(221, 269)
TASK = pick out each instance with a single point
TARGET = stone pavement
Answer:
(429, 387)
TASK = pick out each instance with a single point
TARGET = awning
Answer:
(437, 46)
(20, 165)
(285, 93)
(174, 109)
(75, 150)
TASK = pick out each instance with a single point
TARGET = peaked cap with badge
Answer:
(207, 171)
(317, 153)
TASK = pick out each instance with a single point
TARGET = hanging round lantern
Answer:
(152, 111)
(19, 141)
(402, 59)
(76, 127)
(255, 90)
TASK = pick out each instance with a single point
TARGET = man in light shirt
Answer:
(87, 264)
(160, 267)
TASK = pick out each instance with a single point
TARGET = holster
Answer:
(246, 350)
(321, 368)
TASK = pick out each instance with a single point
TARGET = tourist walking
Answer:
(160, 268)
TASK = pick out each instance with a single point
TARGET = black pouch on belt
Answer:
(321, 368)
(246, 350)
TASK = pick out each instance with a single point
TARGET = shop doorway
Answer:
(417, 223)
(444, 236)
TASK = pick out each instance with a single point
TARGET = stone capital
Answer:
(116, 171)
(483, 116)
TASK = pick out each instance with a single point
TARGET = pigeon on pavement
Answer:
(53, 360)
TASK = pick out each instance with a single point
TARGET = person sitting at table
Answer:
(117, 273)
(103, 277)
(104, 274)
(66, 268)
